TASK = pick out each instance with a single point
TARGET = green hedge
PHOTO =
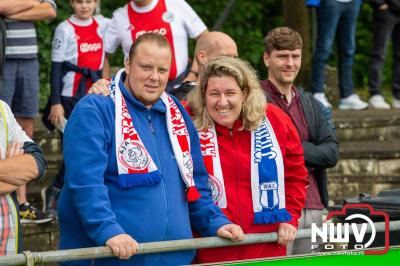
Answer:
(247, 24)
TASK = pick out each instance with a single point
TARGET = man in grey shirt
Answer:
(20, 89)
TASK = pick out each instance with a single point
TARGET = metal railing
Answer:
(30, 258)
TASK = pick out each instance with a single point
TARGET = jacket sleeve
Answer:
(313, 3)
(15, 133)
(323, 151)
(111, 38)
(205, 217)
(56, 82)
(58, 56)
(86, 137)
(34, 149)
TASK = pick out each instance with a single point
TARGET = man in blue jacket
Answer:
(134, 170)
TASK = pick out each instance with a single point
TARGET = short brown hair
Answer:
(282, 38)
(160, 40)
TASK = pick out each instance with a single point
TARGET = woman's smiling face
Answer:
(224, 100)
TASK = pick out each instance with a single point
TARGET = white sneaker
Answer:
(320, 96)
(378, 102)
(396, 103)
(353, 102)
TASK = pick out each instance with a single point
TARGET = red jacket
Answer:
(234, 152)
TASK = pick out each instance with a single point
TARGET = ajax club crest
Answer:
(216, 188)
(133, 155)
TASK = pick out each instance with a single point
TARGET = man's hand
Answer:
(231, 231)
(40, 11)
(100, 87)
(10, 7)
(13, 149)
(286, 233)
(123, 246)
(56, 114)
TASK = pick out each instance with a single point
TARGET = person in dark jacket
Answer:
(282, 57)
(208, 47)
(386, 24)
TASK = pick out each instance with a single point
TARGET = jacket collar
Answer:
(225, 131)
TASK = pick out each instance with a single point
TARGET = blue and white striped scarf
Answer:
(267, 173)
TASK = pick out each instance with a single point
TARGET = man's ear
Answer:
(127, 66)
(202, 57)
(266, 59)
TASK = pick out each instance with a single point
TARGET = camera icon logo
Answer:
(364, 230)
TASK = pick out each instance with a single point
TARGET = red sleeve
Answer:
(188, 109)
(296, 174)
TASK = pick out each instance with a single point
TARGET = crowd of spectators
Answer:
(170, 147)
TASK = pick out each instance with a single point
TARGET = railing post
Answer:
(30, 261)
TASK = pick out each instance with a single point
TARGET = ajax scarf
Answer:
(135, 165)
(267, 173)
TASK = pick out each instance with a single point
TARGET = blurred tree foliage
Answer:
(248, 23)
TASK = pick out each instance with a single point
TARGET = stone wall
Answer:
(369, 153)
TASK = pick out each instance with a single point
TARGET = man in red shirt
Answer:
(174, 19)
(282, 57)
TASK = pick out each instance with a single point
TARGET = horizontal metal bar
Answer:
(162, 246)
(19, 259)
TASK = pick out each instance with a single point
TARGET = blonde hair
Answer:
(254, 105)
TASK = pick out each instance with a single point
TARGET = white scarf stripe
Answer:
(210, 151)
(183, 158)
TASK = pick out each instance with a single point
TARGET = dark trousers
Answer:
(386, 26)
(335, 18)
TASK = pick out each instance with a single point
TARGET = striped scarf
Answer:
(135, 165)
(267, 174)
